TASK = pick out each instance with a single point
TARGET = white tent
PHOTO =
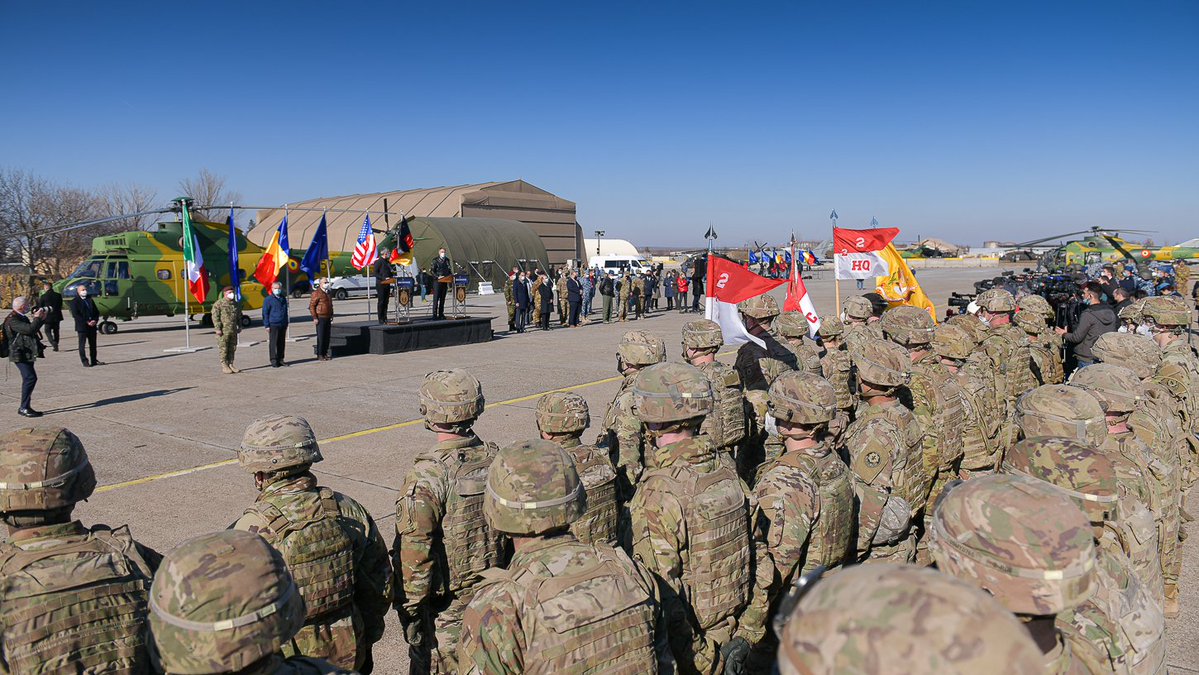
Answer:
(608, 247)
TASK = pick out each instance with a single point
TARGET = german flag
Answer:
(404, 244)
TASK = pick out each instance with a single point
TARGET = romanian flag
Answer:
(900, 286)
(274, 257)
(402, 254)
(193, 260)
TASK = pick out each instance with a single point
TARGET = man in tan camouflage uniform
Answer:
(622, 433)
(625, 292)
(1005, 353)
(443, 543)
(509, 299)
(226, 603)
(1118, 391)
(1122, 623)
(638, 295)
(331, 545)
(792, 327)
(726, 426)
(837, 368)
(758, 365)
(1049, 340)
(73, 597)
(562, 417)
(1060, 411)
(690, 527)
(226, 320)
(886, 453)
(1030, 547)
(980, 421)
(562, 605)
(1046, 361)
(1168, 321)
(860, 323)
(900, 618)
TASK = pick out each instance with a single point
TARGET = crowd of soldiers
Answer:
(902, 497)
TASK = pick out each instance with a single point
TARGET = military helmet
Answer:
(278, 442)
(1167, 311)
(792, 325)
(1116, 388)
(1037, 305)
(221, 602)
(451, 397)
(832, 327)
(762, 306)
(881, 363)
(889, 618)
(1029, 322)
(1133, 312)
(803, 398)
(562, 412)
(857, 307)
(952, 341)
(533, 487)
(971, 324)
(43, 470)
(1022, 541)
(702, 334)
(1085, 474)
(996, 300)
(908, 326)
(671, 392)
(641, 348)
(1061, 411)
(1138, 353)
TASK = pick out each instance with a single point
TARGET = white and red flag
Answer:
(857, 254)
(729, 284)
(798, 299)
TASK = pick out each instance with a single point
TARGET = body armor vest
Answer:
(726, 424)
(305, 527)
(782, 484)
(76, 607)
(837, 368)
(1047, 362)
(934, 390)
(1123, 625)
(807, 359)
(908, 478)
(831, 540)
(470, 545)
(598, 523)
(981, 425)
(597, 619)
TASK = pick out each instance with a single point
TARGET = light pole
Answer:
(599, 236)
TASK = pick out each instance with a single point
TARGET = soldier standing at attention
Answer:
(509, 298)
(980, 423)
(443, 543)
(561, 606)
(560, 293)
(1005, 352)
(562, 417)
(226, 603)
(690, 525)
(726, 426)
(74, 598)
(624, 293)
(860, 323)
(792, 327)
(622, 432)
(837, 368)
(226, 319)
(753, 360)
(1168, 321)
(329, 542)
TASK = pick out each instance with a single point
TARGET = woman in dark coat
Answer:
(520, 298)
(545, 302)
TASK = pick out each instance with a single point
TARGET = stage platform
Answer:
(369, 337)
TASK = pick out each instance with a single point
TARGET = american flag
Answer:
(365, 251)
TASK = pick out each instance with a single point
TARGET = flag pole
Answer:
(236, 274)
(836, 277)
(183, 285)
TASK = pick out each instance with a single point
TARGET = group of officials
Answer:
(902, 496)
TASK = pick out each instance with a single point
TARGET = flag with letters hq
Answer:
(365, 250)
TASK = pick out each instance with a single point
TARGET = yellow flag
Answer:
(900, 287)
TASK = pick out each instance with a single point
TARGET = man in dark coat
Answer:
(275, 319)
(87, 319)
(520, 301)
(698, 272)
(1095, 320)
(545, 301)
(52, 301)
(444, 274)
(20, 330)
(382, 275)
(574, 297)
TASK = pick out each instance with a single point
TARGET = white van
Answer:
(616, 263)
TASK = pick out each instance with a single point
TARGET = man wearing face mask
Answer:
(1096, 319)
(226, 319)
(274, 317)
(87, 318)
(321, 308)
(444, 274)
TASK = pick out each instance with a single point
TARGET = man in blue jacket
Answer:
(274, 317)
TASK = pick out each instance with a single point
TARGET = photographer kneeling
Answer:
(1096, 318)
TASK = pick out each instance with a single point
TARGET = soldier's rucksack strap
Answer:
(278, 525)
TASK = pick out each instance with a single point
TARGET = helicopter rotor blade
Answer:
(1034, 242)
(297, 208)
(98, 221)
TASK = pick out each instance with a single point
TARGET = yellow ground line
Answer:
(344, 437)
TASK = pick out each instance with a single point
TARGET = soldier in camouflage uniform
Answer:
(1060, 411)
(1046, 360)
(226, 320)
(73, 597)
(860, 323)
(1048, 339)
(1030, 547)
(1005, 352)
(885, 451)
(335, 553)
(792, 327)
(1168, 321)
(561, 606)
(226, 603)
(980, 420)
(560, 296)
(1132, 316)
(903, 619)
(562, 417)
(971, 324)
(837, 368)
(638, 295)
(937, 401)
(443, 543)
(759, 365)
(690, 527)
(622, 296)
(1122, 623)
(622, 433)
(509, 300)
(726, 426)
(1119, 392)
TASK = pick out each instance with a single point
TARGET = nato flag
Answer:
(318, 252)
(234, 269)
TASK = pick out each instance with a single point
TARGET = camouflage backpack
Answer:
(938, 406)
(787, 506)
(726, 424)
(598, 522)
(831, 539)
(470, 544)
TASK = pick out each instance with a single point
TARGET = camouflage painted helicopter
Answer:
(141, 273)
(1100, 245)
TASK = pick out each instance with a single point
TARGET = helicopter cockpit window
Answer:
(89, 269)
(118, 269)
(164, 275)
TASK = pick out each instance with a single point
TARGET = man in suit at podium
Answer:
(444, 274)
(382, 275)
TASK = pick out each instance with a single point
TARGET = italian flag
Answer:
(193, 261)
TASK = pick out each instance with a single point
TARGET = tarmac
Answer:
(161, 428)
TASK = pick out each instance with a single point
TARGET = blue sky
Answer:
(964, 120)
